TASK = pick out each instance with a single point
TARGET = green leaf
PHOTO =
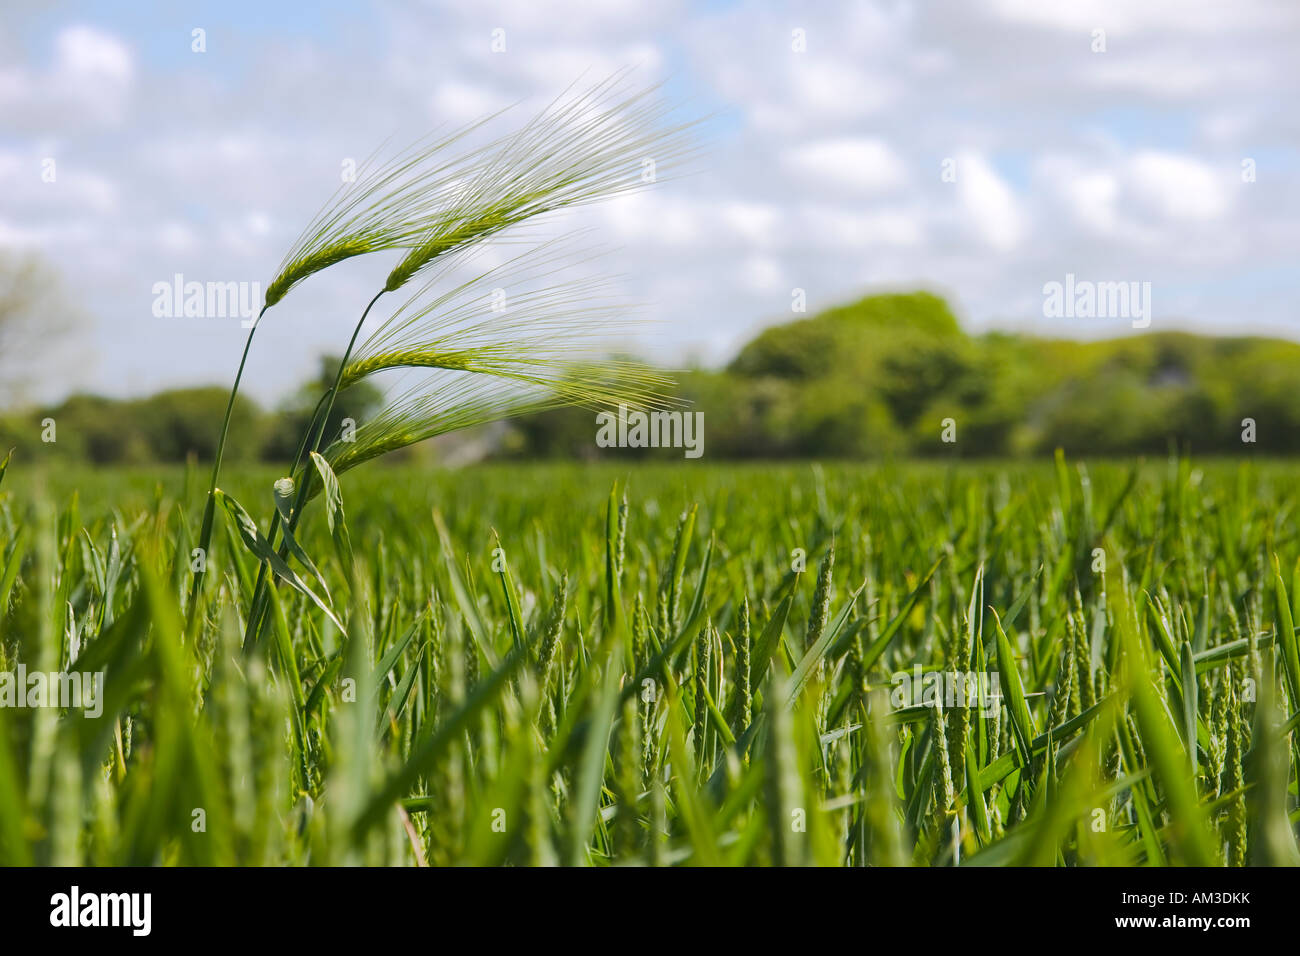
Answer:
(284, 505)
(397, 703)
(1022, 722)
(1165, 751)
(872, 653)
(814, 654)
(394, 652)
(975, 797)
(259, 546)
(334, 513)
(1286, 635)
(591, 770)
(1189, 705)
(512, 599)
(426, 754)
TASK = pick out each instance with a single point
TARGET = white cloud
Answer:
(90, 54)
(821, 169)
(755, 222)
(1178, 187)
(88, 190)
(1093, 197)
(992, 211)
(845, 229)
(458, 102)
(575, 17)
(860, 164)
(1089, 194)
(1125, 17)
(545, 67)
(825, 86)
(89, 81)
(176, 237)
(1169, 77)
(761, 274)
(656, 219)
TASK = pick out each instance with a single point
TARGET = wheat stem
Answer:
(259, 597)
(318, 425)
(209, 508)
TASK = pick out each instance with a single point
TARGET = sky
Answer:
(982, 149)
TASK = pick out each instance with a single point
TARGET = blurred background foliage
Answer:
(872, 379)
(876, 379)
(178, 424)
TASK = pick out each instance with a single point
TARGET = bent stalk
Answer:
(310, 442)
(209, 507)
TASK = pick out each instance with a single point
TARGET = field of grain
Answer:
(662, 665)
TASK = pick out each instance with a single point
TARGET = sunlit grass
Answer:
(536, 670)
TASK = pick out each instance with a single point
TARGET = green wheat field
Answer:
(660, 665)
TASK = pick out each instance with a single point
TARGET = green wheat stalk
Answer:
(582, 148)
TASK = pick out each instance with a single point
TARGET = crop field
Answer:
(1055, 664)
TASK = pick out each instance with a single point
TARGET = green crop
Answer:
(580, 665)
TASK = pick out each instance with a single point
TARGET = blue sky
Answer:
(822, 169)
